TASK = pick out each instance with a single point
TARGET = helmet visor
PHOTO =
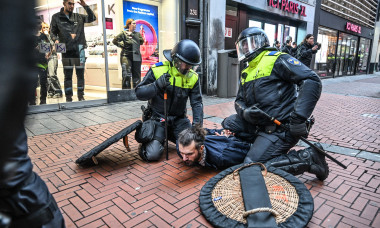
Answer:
(184, 68)
(249, 45)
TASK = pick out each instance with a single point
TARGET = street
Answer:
(124, 191)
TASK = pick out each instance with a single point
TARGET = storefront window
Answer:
(347, 45)
(253, 23)
(75, 65)
(270, 30)
(325, 57)
(152, 32)
(81, 50)
(363, 54)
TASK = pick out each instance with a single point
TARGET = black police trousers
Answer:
(152, 151)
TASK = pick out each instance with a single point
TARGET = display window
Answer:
(275, 31)
(74, 63)
(73, 49)
(140, 32)
(325, 58)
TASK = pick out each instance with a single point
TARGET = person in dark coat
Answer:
(306, 50)
(25, 200)
(68, 27)
(130, 56)
(287, 48)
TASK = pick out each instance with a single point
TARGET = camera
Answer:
(318, 44)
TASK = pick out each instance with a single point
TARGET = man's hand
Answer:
(73, 36)
(298, 127)
(57, 41)
(82, 3)
(163, 81)
(225, 132)
(315, 47)
(253, 115)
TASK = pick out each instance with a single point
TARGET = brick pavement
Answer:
(124, 191)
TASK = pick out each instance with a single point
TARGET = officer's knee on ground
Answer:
(151, 151)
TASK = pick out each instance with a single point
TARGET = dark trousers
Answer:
(69, 62)
(130, 69)
(152, 151)
(265, 146)
(42, 77)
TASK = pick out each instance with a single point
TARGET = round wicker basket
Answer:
(222, 203)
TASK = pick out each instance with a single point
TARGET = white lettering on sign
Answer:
(228, 32)
(194, 12)
(60, 47)
(288, 6)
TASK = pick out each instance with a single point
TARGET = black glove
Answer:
(163, 81)
(254, 115)
(298, 127)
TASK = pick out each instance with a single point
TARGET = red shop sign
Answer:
(353, 28)
(288, 6)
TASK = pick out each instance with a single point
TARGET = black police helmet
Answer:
(250, 43)
(187, 51)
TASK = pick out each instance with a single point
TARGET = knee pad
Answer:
(151, 151)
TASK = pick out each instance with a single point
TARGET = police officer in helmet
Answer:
(178, 78)
(269, 83)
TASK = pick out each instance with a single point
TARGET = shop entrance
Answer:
(346, 54)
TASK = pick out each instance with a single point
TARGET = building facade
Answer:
(346, 31)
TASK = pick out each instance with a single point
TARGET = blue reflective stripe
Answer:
(158, 64)
(272, 52)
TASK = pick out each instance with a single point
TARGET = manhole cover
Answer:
(371, 115)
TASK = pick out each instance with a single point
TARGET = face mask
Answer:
(46, 32)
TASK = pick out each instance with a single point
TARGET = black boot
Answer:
(298, 162)
(69, 98)
(319, 166)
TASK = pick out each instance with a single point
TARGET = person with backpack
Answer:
(306, 50)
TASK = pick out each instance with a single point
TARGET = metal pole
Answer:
(105, 47)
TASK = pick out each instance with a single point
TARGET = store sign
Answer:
(288, 6)
(353, 28)
(228, 32)
(193, 8)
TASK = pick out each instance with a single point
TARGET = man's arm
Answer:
(54, 29)
(141, 39)
(310, 86)
(147, 89)
(196, 104)
(90, 17)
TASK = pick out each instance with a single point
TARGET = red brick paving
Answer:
(124, 191)
(339, 121)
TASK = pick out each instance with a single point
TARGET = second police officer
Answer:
(178, 78)
(269, 83)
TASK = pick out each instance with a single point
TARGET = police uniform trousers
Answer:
(152, 151)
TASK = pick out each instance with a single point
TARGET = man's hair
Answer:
(195, 133)
(128, 23)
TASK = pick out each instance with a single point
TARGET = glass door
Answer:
(325, 57)
(363, 55)
(347, 45)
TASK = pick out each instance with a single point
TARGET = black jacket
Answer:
(130, 45)
(287, 49)
(275, 92)
(148, 90)
(61, 28)
(305, 53)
